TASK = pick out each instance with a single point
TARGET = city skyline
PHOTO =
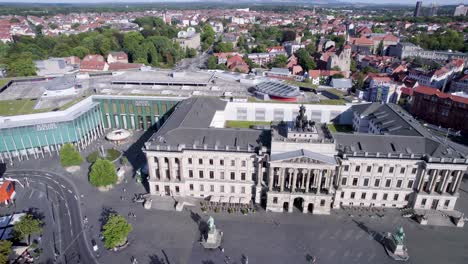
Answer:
(384, 2)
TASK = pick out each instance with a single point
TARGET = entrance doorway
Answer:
(299, 203)
(310, 208)
(285, 207)
(435, 203)
(167, 190)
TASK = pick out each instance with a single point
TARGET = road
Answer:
(71, 244)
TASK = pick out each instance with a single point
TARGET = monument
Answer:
(214, 236)
(395, 246)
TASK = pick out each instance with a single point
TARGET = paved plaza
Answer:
(173, 237)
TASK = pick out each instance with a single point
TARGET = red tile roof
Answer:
(433, 91)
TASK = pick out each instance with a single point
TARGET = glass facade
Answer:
(137, 113)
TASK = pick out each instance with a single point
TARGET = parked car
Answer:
(120, 172)
(95, 246)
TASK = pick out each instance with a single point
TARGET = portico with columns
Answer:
(437, 187)
(301, 179)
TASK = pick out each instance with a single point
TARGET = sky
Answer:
(407, 2)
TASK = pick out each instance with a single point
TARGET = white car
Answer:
(95, 246)
(120, 172)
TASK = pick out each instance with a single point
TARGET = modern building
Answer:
(417, 9)
(35, 135)
(391, 161)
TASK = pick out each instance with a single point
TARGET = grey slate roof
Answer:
(391, 119)
(302, 153)
(384, 144)
(188, 127)
(341, 83)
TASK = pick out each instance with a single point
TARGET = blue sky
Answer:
(407, 2)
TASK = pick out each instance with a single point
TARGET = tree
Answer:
(304, 59)
(190, 53)
(102, 173)
(211, 63)
(289, 35)
(21, 66)
(380, 48)
(338, 76)
(5, 251)
(69, 156)
(27, 226)
(311, 48)
(116, 231)
(280, 61)
(223, 47)
(80, 52)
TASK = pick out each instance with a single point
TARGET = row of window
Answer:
(221, 162)
(385, 197)
(388, 183)
(211, 175)
(201, 188)
(357, 168)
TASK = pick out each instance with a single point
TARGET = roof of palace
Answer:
(188, 127)
(303, 153)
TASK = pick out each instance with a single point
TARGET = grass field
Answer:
(340, 128)
(244, 124)
(16, 107)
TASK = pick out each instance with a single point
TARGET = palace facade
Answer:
(389, 161)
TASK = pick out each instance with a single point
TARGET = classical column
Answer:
(282, 174)
(259, 174)
(271, 177)
(181, 168)
(443, 186)
(319, 181)
(435, 174)
(421, 180)
(303, 175)
(293, 188)
(308, 181)
(171, 171)
(330, 182)
(458, 181)
(160, 168)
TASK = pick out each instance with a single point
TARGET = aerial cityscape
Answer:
(209, 131)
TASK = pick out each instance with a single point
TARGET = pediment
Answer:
(303, 160)
(302, 156)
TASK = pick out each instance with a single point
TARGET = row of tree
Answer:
(152, 46)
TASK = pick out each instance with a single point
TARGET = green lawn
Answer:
(244, 124)
(3, 81)
(303, 84)
(340, 128)
(16, 107)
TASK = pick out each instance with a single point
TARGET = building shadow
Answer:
(202, 225)
(377, 236)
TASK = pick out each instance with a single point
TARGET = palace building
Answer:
(389, 160)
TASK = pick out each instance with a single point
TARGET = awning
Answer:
(224, 199)
(244, 200)
(234, 200)
(214, 199)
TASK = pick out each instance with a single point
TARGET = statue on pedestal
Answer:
(395, 246)
(214, 237)
(211, 224)
(399, 236)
